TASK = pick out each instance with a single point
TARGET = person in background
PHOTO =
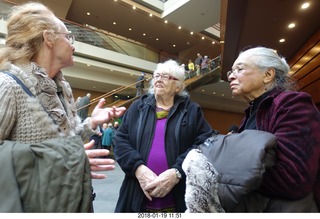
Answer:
(83, 106)
(38, 109)
(261, 77)
(140, 85)
(97, 138)
(155, 135)
(115, 125)
(197, 64)
(191, 69)
(204, 65)
(107, 136)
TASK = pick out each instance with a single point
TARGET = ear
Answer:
(269, 75)
(47, 38)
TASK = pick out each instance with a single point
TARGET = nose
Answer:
(231, 77)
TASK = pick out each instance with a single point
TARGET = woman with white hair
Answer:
(260, 76)
(156, 133)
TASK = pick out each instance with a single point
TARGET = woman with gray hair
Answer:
(156, 133)
(260, 76)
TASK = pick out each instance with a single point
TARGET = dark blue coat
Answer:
(186, 128)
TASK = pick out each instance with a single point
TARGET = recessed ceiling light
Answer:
(88, 13)
(130, 28)
(150, 15)
(282, 40)
(213, 42)
(157, 39)
(114, 23)
(202, 38)
(292, 25)
(191, 33)
(165, 21)
(173, 45)
(144, 34)
(179, 27)
(305, 5)
(134, 7)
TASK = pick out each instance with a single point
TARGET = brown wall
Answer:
(305, 67)
(221, 121)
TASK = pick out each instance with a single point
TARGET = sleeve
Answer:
(200, 132)
(296, 124)
(126, 153)
(8, 111)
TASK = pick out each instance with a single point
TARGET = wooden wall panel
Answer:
(305, 67)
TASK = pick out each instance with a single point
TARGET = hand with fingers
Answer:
(96, 163)
(101, 115)
(163, 184)
(145, 176)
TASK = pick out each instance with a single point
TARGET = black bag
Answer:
(235, 161)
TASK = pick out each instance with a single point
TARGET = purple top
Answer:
(157, 162)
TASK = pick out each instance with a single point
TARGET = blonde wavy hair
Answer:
(26, 24)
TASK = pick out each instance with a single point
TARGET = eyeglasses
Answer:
(234, 72)
(164, 77)
(69, 36)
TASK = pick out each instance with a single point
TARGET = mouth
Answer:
(232, 85)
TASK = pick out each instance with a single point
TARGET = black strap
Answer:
(19, 82)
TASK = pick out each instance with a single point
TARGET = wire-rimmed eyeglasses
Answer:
(164, 77)
(234, 72)
(69, 36)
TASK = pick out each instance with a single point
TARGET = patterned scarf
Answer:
(161, 113)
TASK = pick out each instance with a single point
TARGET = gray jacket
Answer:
(51, 176)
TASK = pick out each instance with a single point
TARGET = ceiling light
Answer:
(292, 25)
(134, 7)
(150, 15)
(88, 13)
(191, 33)
(179, 27)
(114, 23)
(282, 40)
(166, 21)
(144, 34)
(173, 45)
(157, 39)
(202, 38)
(130, 28)
(305, 5)
(213, 42)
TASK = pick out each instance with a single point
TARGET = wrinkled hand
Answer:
(98, 164)
(161, 186)
(145, 176)
(101, 115)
